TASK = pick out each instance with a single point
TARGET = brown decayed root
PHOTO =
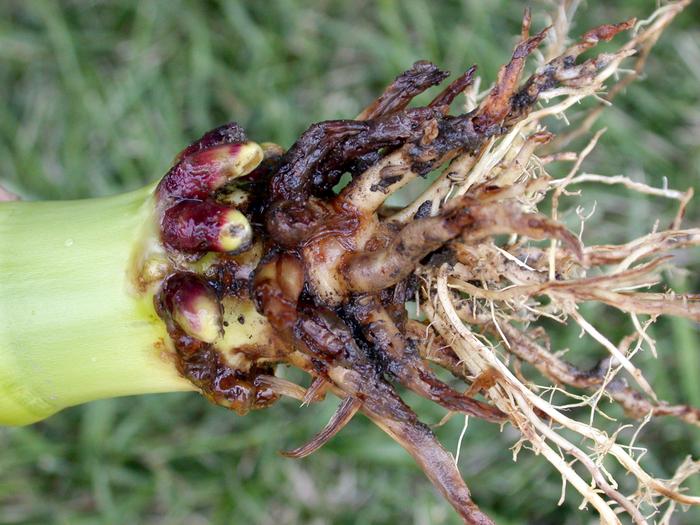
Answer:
(267, 265)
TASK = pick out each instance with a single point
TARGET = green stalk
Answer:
(72, 327)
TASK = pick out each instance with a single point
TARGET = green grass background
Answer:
(98, 96)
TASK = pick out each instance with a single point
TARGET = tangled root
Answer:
(265, 264)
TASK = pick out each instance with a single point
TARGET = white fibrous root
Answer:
(484, 301)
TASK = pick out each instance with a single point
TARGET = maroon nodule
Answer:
(196, 176)
(195, 226)
(231, 133)
(193, 305)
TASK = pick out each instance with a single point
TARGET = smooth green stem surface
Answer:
(72, 328)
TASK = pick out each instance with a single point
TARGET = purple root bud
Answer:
(197, 175)
(231, 133)
(195, 226)
(193, 306)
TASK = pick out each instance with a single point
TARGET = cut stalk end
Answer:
(73, 330)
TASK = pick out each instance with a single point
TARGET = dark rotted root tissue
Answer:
(260, 245)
